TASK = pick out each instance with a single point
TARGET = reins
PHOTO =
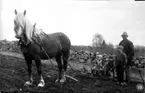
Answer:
(61, 58)
(41, 44)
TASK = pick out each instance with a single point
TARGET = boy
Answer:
(121, 61)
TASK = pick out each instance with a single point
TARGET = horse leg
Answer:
(65, 63)
(29, 65)
(38, 65)
(58, 60)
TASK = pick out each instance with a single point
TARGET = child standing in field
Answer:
(121, 61)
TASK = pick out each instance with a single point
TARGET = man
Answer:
(128, 49)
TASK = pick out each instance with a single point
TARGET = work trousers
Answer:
(127, 74)
(129, 64)
(120, 72)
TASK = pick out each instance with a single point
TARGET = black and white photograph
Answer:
(72, 46)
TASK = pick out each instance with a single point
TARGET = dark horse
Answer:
(36, 45)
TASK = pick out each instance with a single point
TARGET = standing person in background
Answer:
(121, 61)
(128, 49)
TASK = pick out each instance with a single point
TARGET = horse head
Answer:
(23, 28)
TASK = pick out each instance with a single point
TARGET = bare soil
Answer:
(13, 75)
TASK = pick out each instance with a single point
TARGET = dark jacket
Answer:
(121, 59)
(128, 48)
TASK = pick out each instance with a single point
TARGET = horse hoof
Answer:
(28, 83)
(62, 81)
(41, 84)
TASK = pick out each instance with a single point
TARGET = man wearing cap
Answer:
(128, 49)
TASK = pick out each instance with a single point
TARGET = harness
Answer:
(40, 44)
(21, 43)
(42, 48)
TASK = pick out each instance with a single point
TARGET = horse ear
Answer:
(24, 12)
(15, 12)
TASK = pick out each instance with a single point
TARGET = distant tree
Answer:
(110, 45)
(97, 40)
(139, 48)
(103, 43)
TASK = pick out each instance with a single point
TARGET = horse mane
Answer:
(29, 30)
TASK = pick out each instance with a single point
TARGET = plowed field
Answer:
(13, 75)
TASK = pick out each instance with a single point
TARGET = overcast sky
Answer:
(80, 20)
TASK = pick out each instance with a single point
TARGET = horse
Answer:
(37, 45)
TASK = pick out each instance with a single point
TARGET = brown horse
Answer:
(36, 45)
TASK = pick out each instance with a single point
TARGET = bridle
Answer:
(18, 25)
(23, 38)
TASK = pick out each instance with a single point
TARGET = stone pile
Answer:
(9, 46)
(93, 57)
(82, 56)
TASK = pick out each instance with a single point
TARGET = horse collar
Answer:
(21, 42)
